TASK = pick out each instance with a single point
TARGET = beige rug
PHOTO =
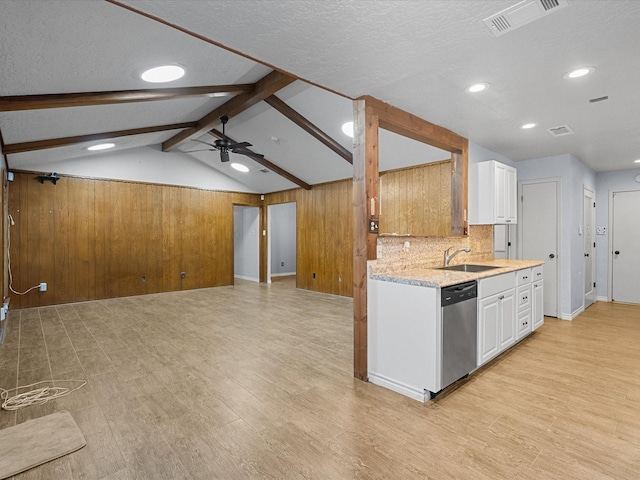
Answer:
(38, 441)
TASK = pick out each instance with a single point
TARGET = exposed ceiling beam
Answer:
(66, 141)
(265, 87)
(266, 163)
(309, 127)
(84, 99)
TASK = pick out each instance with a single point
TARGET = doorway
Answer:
(625, 255)
(246, 243)
(589, 221)
(539, 239)
(281, 241)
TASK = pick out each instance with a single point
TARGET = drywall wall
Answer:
(282, 238)
(246, 243)
(606, 183)
(574, 177)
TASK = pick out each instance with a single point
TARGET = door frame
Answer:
(592, 248)
(610, 240)
(240, 205)
(558, 182)
(269, 236)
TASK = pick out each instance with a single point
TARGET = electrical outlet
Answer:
(282, 264)
(601, 230)
(314, 274)
(43, 287)
(183, 274)
(374, 225)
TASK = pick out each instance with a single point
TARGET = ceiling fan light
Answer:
(101, 146)
(240, 167)
(163, 74)
(347, 129)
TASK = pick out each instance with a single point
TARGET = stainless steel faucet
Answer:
(447, 257)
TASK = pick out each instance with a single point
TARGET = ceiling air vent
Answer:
(560, 131)
(264, 170)
(522, 13)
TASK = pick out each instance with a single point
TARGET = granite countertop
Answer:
(433, 277)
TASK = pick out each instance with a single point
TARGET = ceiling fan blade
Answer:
(233, 146)
(224, 155)
(206, 143)
(203, 150)
(248, 153)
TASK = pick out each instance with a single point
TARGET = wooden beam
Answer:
(266, 163)
(66, 141)
(84, 99)
(403, 123)
(309, 127)
(265, 87)
(365, 205)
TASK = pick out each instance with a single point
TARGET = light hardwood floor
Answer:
(255, 381)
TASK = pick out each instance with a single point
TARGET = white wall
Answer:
(575, 176)
(282, 222)
(606, 183)
(246, 243)
(151, 165)
(481, 154)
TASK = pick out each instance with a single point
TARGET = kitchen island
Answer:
(405, 331)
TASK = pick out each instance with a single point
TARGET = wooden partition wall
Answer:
(91, 239)
(324, 229)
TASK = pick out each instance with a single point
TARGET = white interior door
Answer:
(589, 212)
(625, 232)
(540, 235)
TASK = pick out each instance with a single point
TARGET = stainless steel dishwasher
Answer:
(459, 331)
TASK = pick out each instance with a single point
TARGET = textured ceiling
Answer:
(420, 55)
(415, 54)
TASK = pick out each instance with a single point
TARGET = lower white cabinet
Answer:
(537, 316)
(496, 324)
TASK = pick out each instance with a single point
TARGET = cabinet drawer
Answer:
(536, 273)
(499, 283)
(524, 276)
(524, 324)
(524, 297)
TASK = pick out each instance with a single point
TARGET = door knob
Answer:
(617, 252)
(551, 255)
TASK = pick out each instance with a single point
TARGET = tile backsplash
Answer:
(429, 251)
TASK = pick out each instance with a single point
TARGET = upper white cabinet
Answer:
(492, 193)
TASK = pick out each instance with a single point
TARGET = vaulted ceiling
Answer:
(70, 77)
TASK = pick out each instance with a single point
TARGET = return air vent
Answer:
(264, 170)
(560, 131)
(522, 13)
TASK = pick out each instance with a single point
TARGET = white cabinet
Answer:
(496, 315)
(492, 193)
(536, 305)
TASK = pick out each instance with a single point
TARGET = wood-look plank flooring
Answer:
(255, 381)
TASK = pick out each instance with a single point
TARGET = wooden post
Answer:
(365, 204)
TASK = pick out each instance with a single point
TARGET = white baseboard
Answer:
(602, 299)
(573, 315)
(286, 274)
(251, 279)
(399, 387)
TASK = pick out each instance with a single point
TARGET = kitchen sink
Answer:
(467, 267)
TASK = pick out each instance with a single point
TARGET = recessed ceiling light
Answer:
(163, 73)
(347, 129)
(101, 146)
(527, 126)
(477, 87)
(240, 167)
(636, 161)
(579, 72)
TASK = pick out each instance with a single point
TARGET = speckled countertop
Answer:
(433, 277)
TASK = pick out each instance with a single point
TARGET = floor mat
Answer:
(38, 441)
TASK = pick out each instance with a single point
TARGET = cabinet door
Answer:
(488, 328)
(507, 316)
(500, 202)
(537, 316)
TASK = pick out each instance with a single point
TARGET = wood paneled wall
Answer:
(92, 239)
(324, 219)
(417, 200)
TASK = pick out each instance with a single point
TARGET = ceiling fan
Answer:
(225, 145)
